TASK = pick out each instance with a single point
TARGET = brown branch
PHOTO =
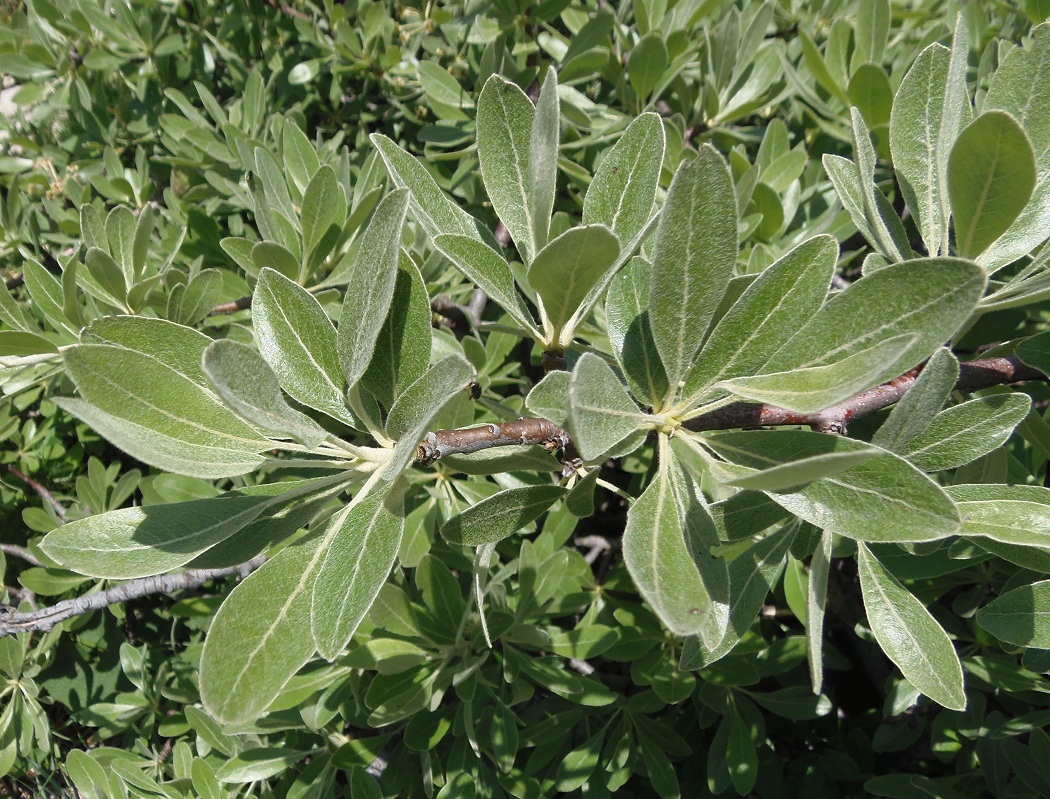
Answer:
(521, 432)
(13, 621)
(40, 490)
(231, 307)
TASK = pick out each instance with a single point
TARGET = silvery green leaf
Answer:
(744, 514)
(601, 413)
(271, 255)
(501, 515)
(199, 297)
(275, 185)
(909, 635)
(883, 499)
(258, 764)
(247, 384)
(361, 543)
(890, 236)
(991, 175)
(431, 207)
(550, 398)
(565, 270)
(845, 177)
(1019, 616)
(370, 288)
(916, 409)
(543, 158)
(296, 338)
(693, 259)
(816, 598)
(109, 279)
(505, 121)
(120, 232)
(623, 188)
(1018, 514)
(631, 337)
(769, 311)
(172, 344)
(813, 388)
(804, 470)
(324, 205)
(967, 431)
(1029, 229)
(1034, 351)
(490, 271)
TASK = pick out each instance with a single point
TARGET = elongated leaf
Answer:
(1020, 616)
(174, 345)
(909, 635)
(258, 764)
(811, 389)
(770, 310)
(890, 236)
(431, 207)
(324, 205)
(500, 515)
(543, 158)
(804, 470)
(967, 431)
(120, 231)
(1012, 88)
(362, 545)
(244, 380)
(816, 597)
(370, 289)
(1016, 514)
(505, 120)
(490, 271)
(991, 175)
(297, 340)
(663, 567)
(260, 636)
(883, 499)
(845, 177)
(601, 413)
(929, 297)
(696, 247)
(623, 188)
(649, 60)
(1034, 351)
(565, 270)
(631, 337)
(920, 404)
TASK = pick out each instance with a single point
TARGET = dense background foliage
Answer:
(152, 156)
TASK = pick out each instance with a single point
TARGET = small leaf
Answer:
(967, 431)
(1018, 514)
(991, 175)
(816, 599)
(258, 764)
(1020, 616)
(324, 204)
(920, 404)
(601, 414)
(550, 398)
(909, 635)
(500, 515)
(647, 63)
(543, 158)
(631, 337)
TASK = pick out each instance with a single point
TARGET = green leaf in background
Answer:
(500, 515)
(623, 188)
(631, 337)
(920, 404)
(543, 158)
(1020, 616)
(1017, 514)
(991, 175)
(324, 205)
(647, 63)
(967, 431)
(120, 232)
(811, 389)
(909, 635)
(693, 259)
(564, 271)
(883, 499)
(663, 564)
(361, 546)
(296, 338)
(244, 380)
(1034, 351)
(258, 764)
(601, 413)
(505, 120)
(816, 599)
(370, 288)
(805, 470)
(770, 310)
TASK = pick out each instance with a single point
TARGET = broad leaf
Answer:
(967, 431)
(883, 499)
(550, 398)
(370, 288)
(361, 544)
(693, 260)
(1017, 514)
(909, 635)
(631, 337)
(176, 346)
(804, 470)
(501, 515)
(920, 404)
(991, 175)
(1020, 617)
(1034, 351)
(296, 338)
(601, 413)
(543, 158)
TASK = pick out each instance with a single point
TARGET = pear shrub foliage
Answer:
(248, 313)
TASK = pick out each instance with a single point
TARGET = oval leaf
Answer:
(500, 515)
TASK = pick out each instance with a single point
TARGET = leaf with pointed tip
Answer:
(275, 185)
(601, 413)
(920, 404)
(816, 599)
(631, 337)
(543, 158)
(120, 232)
(501, 515)
(909, 635)
(244, 380)
(804, 470)
(565, 270)
(1018, 514)
(296, 338)
(693, 260)
(370, 288)
(811, 389)
(362, 545)
(505, 121)
(845, 177)
(967, 431)
(1020, 616)
(883, 499)
(890, 236)
(324, 205)
(769, 311)
(991, 175)
(1034, 351)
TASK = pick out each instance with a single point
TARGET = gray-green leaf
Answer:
(920, 404)
(1020, 617)
(967, 431)
(500, 515)
(601, 413)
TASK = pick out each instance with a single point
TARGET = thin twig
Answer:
(21, 552)
(595, 544)
(13, 621)
(40, 490)
(231, 307)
